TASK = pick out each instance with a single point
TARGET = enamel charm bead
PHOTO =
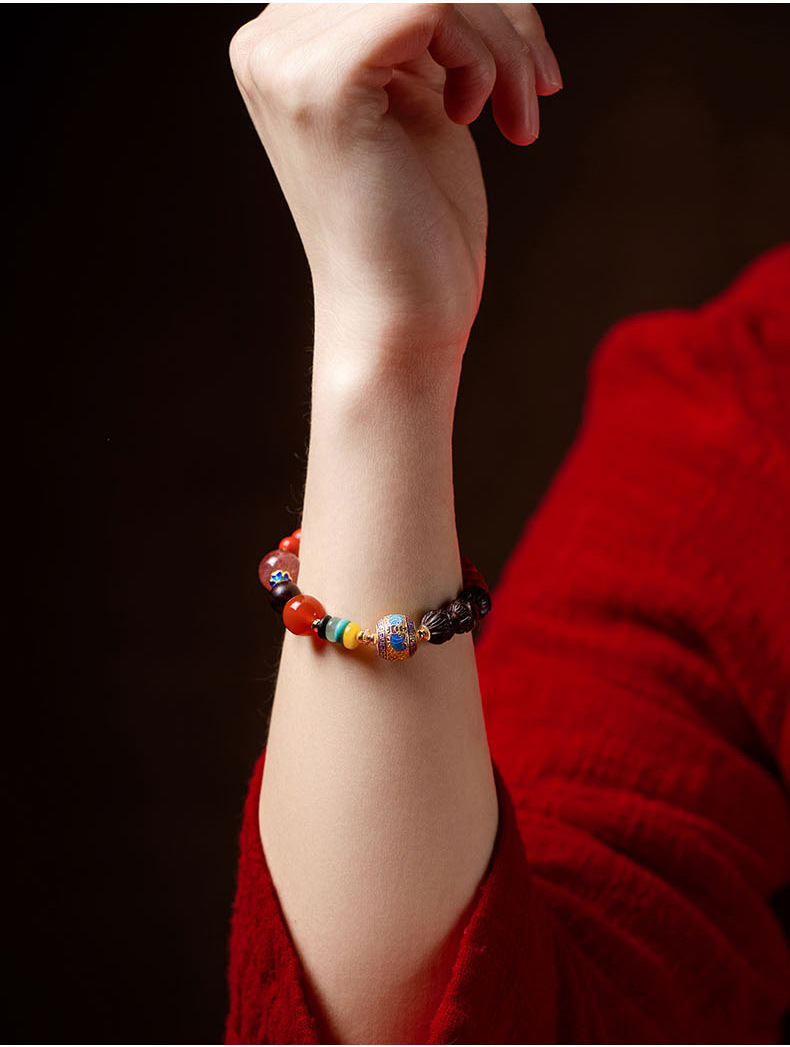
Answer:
(279, 576)
(396, 637)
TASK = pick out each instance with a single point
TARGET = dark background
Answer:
(157, 380)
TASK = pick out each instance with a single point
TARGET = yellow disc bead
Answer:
(351, 635)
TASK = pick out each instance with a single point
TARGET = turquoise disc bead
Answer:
(334, 629)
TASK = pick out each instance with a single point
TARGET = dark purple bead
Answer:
(320, 629)
(282, 593)
(440, 626)
(461, 616)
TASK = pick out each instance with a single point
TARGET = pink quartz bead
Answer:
(278, 560)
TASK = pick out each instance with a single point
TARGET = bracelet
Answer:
(396, 636)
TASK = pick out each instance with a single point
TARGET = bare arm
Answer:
(378, 809)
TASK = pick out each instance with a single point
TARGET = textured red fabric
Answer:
(635, 672)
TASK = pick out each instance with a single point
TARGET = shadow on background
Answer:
(162, 315)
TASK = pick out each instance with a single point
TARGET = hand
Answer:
(362, 110)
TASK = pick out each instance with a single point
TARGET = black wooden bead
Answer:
(281, 593)
(320, 629)
(461, 616)
(440, 626)
(479, 600)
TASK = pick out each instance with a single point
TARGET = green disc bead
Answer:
(329, 631)
(334, 629)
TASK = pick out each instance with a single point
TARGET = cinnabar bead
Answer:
(300, 613)
(439, 625)
(290, 545)
(461, 615)
(280, 594)
(471, 575)
(297, 534)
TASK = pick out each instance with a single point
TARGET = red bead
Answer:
(297, 534)
(300, 612)
(290, 545)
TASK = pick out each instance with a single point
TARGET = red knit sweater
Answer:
(635, 673)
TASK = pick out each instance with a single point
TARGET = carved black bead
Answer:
(320, 629)
(479, 600)
(440, 626)
(282, 593)
(461, 615)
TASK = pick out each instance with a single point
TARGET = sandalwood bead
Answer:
(439, 625)
(478, 599)
(461, 615)
(300, 613)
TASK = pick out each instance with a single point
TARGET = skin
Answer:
(378, 809)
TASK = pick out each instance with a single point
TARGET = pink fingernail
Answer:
(533, 114)
(550, 67)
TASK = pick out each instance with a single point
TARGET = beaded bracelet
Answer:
(395, 636)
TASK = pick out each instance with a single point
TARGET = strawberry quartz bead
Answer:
(278, 560)
(300, 612)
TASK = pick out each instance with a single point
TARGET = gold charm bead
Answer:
(396, 637)
(423, 633)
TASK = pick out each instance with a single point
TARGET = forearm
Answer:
(378, 805)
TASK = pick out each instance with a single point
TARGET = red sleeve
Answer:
(635, 672)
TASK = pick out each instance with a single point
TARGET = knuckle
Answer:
(262, 66)
(432, 11)
(288, 82)
(422, 16)
(241, 45)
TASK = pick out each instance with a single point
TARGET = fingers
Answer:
(496, 50)
(526, 21)
(526, 66)
(407, 31)
(514, 101)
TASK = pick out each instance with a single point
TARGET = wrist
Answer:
(396, 337)
(371, 366)
(378, 394)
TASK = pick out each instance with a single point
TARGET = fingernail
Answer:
(550, 67)
(533, 115)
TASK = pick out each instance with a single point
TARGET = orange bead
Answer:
(290, 545)
(297, 534)
(300, 612)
